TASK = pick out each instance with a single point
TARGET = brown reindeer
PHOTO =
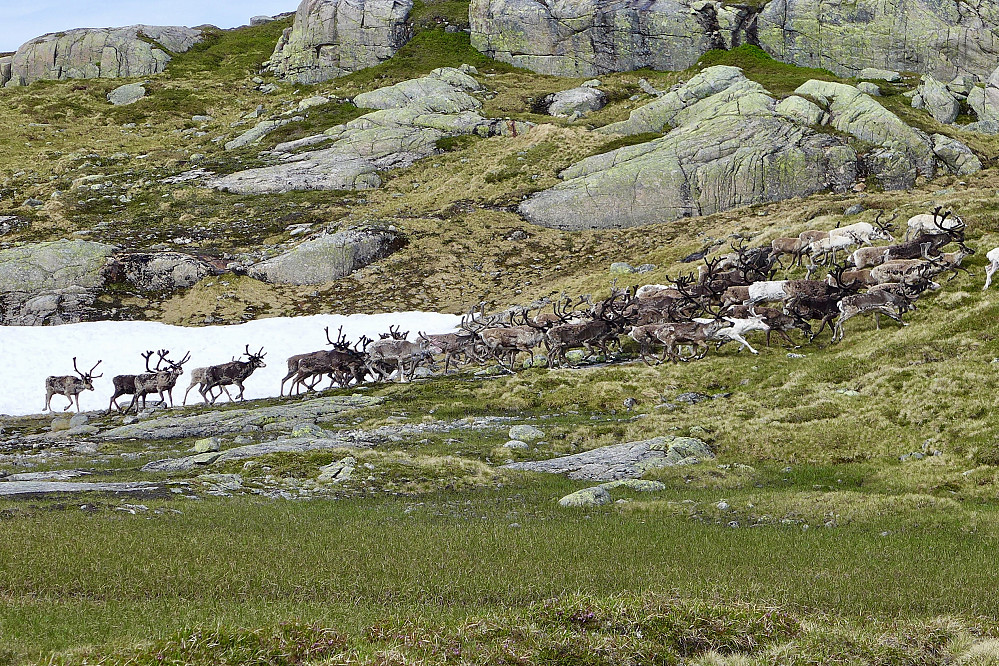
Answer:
(70, 386)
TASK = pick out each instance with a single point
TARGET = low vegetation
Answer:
(815, 537)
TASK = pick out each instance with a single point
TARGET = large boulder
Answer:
(573, 103)
(587, 37)
(730, 148)
(412, 117)
(130, 93)
(905, 152)
(331, 38)
(159, 271)
(329, 257)
(623, 461)
(940, 38)
(955, 156)
(584, 38)
(50, 283)
(90, 53)
(934, 96)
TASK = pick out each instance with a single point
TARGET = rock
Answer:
(12, 223)
(800, 110)
(290, 445)
(879, 75)
(269, 88)
(331, 38)
(11, 488)
(907, 152)
(60, 423)
(256, 133)
(315, 100)
(337, 472)
(50, 283)
(639, 485)
(516, 444)
(585, 39)
(961, 86)
(623, 461)
(588, 38)
(207, 445)
(692, 398)
(526, 433)
(869, 88)
(130, 93)
(159, 271)
(730, 148)
(576, 102)
(55, 475)
(260, 20)
(442, 91)
(937, 100)
(855, 209)
(587, 497)
(924, 36)
(90, 53)
(412, 117)
(5, 67)
(78, 420)
(621, 268)
(680, 105)
(956, 157)
(328, 257)
(235, 420)
(985, 101)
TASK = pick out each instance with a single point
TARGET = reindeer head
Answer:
(87, 377)
(176, 368)
(883, 231)
(256, 360)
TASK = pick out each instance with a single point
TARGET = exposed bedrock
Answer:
(943, 38)
(730, 143)
(331, 38)
(90, 53)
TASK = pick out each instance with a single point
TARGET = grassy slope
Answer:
(248, 563)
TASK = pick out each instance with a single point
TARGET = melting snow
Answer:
(29, 354)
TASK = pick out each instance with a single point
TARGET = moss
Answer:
(228, 54)
(779, 78)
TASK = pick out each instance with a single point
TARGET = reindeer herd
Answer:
(728, 297)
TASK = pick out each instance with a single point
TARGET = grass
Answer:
(779, 78)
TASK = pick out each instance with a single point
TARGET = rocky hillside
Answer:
(365, 156)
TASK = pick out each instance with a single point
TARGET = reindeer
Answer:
(70, 386)
(606, 324)
(990, 270)
(776, 320)
(931, 223)
(795, 247)
(694, 333)
(197, 379)
(228, 374)
(393, 352)
(157, 380)
(341, 364)
(879, 302)
(863, 233)
(314, 359)
(125, 384)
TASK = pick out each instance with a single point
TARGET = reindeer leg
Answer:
(877, 320)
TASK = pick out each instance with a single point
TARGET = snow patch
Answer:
(29, 354)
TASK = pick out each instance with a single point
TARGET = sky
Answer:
(25, 19)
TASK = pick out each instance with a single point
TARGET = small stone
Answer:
(621, 268)
(207, 445)
(855, 209)
(587, 497)
(79, 420)
(526, 433)
(723, 506)
(129, 93)
(516, 444)
(869, 88)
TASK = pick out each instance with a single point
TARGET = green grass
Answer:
(450, 558)
(777, 77)
(228, 54)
